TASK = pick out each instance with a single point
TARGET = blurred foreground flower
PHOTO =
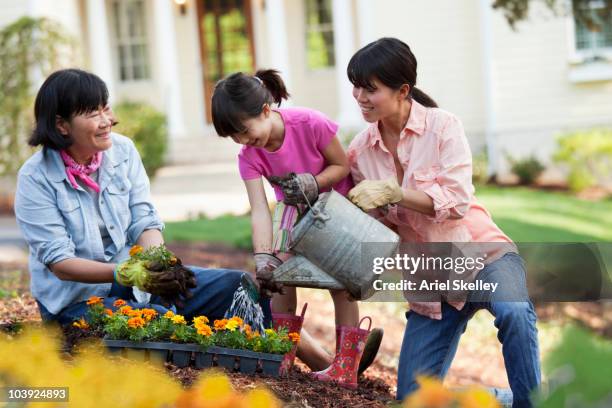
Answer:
(433, 394)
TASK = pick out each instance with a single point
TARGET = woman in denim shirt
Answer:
(83, 200)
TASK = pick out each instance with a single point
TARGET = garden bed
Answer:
(193, 355)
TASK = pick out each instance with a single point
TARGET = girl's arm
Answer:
(337, 167)
(261, 220)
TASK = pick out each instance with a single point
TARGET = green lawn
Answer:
(526, 215)
(529, 215)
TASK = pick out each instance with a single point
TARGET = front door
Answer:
(226, 41)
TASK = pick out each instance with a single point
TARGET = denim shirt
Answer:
(60, 222)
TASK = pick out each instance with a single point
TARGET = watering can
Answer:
(335, 243)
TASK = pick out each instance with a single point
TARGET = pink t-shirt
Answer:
(307, 134)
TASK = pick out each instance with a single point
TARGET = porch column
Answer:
(277, 39)
(168, 70)
(344, 48)
(99, 44)
(486, 35)
(365, 14)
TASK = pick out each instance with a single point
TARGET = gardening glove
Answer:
(169, 284)
(299, 188)
(370, 194)
(265, 264)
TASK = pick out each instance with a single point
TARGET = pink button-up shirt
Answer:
(436, 159)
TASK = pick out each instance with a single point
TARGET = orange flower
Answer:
(135, 313)
(81, 324)
(148, 314)
(169, 314)
(125, 310)
(294, 337)
(238, 320)
(204, 330)
(119, 303)
(108, 312)
(173, 261)
(136, 249)
(220, 324)
(136, 322)
(94, 300)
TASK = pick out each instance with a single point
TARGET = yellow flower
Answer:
(430, 394)
(178, 319)
(119, 303)
(475, 397)
(136, 249)
(202, 319)
(148, 314)
(108, 312)
(169, 314)
(204, 330)
(231, 325)
(238, 320)
(294, 337)
(94, 300)
(81, 324)
(136, 322)
(269, 332)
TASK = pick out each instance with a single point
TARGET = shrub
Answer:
(588, 157)
(147, 128)
(480, 168)
(527, 169)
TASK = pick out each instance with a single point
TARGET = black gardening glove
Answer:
(265, 264)
(297, 188)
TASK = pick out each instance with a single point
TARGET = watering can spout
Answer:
(299, 271)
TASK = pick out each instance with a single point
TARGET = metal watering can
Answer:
(328, 242)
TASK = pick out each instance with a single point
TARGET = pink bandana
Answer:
(82, 171)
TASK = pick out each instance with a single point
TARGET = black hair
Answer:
(65, 93)
(240, 96)
(391, 62)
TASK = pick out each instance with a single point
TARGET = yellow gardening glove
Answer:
(370, 194)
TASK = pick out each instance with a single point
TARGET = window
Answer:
(131, 39)
(319, 34)
(593, 29)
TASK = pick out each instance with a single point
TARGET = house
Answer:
(514, 90)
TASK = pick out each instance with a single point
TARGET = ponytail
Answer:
(273, 82)
(239, 97)
(422, 98)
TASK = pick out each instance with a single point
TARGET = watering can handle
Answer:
(304, 309)
(320, 216)
(361, 321)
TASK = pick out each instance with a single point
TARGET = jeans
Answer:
(211, 298)
(429, 345)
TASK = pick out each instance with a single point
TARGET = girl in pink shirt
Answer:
(279, 143)
(413, 166)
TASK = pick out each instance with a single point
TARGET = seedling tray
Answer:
(184, 355)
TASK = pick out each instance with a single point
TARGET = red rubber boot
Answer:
(346, 362)
(293, 323)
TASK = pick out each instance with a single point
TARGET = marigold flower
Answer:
(220, 324)
(108, 312)
(204, 330)
(148, 314)
(178, 319)
(94, 300)
(81, 324)
(136, 249)
(119, 303)
(173, 261)
(238, 320)
(231, 325)
(202, 319)
(269, 332)
(135, 313)
(169, 314)
(136, 322)
(294, 337)
(125, 310)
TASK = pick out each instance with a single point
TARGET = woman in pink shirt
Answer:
(296, 149)
(413, 170)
